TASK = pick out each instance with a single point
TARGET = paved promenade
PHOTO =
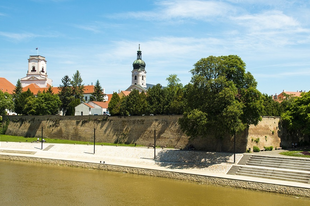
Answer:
(189, 162)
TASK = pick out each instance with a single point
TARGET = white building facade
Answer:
(37, 73)
(138, 74)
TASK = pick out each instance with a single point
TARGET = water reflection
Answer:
(35, 184)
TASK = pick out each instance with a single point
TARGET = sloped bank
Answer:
(141, 130)
(201, 179)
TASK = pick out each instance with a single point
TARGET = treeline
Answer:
(157, 100)
(70, 95)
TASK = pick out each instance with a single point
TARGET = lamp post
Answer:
(234, 147)
(154, 144)
(94, 140)
(42, 138)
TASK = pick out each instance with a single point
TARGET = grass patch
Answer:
(9, 138)
(297, 153)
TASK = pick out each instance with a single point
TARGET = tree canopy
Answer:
(221, 98)
(296, 118)
(97, 95)
(6, 102)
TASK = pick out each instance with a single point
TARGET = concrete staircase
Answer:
(280, 168)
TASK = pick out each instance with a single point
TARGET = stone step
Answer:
(278, 162)
(274, 174)
(297, 175)
(282, 165)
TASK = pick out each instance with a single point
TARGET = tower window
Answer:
(33, 69)
(142, 77)
(42, 69)
(135, 77)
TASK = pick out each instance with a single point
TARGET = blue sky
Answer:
(100, 39)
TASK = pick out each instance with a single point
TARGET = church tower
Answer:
(37, 73)
(138, 72)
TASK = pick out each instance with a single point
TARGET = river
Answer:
(36, 184)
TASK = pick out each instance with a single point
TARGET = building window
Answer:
(42, 69)
(135, 77)
(86, 98)
(142, 77)
(33, 69)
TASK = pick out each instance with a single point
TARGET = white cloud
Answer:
(92, 28)
(17, 36)
(24, 35)
(270, 20)
(180, 9)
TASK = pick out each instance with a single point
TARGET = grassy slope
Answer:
(9, 138)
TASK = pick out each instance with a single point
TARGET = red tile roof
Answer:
(102, 104)
(89, 89)
(6, 86)
(88, 105)
(282, 95)
(35, 89)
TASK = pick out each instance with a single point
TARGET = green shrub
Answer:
(256, 149)
(268, 148)
(256, 140)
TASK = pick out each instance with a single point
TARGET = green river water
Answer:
(36, 184)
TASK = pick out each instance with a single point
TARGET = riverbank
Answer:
(201, 167)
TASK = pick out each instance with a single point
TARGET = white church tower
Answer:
(37, 73)
(138, 74)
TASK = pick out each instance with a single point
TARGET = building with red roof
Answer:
(286, 95)
(6, 86)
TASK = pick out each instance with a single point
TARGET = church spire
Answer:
(139, 53)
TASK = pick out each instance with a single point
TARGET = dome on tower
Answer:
(139, 64)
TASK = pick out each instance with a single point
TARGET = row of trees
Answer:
(46, 102)
(221, 97)
(158, 100)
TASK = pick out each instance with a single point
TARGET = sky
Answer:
(100, 39)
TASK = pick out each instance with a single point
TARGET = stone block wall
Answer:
(140, 130)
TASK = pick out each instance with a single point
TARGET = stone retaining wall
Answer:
(140, 130)
(202, 179)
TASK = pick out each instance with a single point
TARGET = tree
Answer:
(77, 86)
(44, 103)
(21, 100)
(97, 95)
(65, 94)
(16, 97)
(271, 107)
(156, 99)
(173, 81)
(114, 104)
(296, 118)
(6, 102)
(221, 99)
(174, 96)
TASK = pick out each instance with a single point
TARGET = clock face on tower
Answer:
(135, 73)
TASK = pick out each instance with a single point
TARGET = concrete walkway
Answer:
(212, 164)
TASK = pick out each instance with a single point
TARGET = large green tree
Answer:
(44, 103)
(77, 86)
(156, 97)
(20, 101)
(221, 98)
(174, 92)
(97, 95)
(114, 104)
(18, 105)
(65, 94)
(271, 107)
(296, 119)
(6, 102)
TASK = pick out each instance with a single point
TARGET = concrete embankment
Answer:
(139, 161)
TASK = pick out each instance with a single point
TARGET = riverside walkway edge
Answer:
(192, 175)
